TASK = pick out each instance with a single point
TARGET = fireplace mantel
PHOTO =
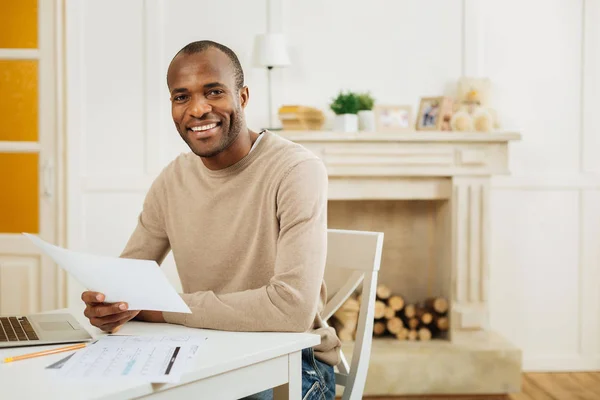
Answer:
(404, 166)
(425, 166)
(455, 168)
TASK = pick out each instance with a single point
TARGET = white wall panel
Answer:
(112, 81)
(19, 285)
(534, 273)
(398, 50)
(110, 219)
(589, 292)
(591, 87)
(533, 56)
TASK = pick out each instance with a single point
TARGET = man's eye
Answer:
(215, 92)
(180, 97)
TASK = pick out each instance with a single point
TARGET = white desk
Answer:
(229, 366)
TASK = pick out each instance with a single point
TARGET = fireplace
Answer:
(429, 193)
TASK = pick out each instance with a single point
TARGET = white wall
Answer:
(542, 56)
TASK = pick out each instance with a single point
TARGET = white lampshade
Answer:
(270, 51)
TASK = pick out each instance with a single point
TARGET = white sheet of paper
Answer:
(139, 283)
(156, 359)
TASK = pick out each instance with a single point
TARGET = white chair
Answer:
(359, 254)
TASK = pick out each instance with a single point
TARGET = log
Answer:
(344, 332)
(389, 313)
(409, 310)
(424, 334)
(345, 335)
(395, 325)
(423, 314)
(437, 304)
(412, 335)
(439, 324)
(413, 323)
(427, 318)
(379, 309)
(396, 303)
(383, 292)
(378, 328)
(443, 324)
(345, 320)
(351, 304)
(403, 334)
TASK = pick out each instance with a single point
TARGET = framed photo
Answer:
(390, 118)
(434, 114)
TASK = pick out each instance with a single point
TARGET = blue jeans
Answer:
(318, 380)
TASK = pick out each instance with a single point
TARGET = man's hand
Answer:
(106, 316)
(151, 316)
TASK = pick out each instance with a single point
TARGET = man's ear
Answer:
(244, 96)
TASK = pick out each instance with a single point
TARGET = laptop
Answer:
(39, 329)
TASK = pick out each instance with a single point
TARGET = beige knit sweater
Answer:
(249, 240)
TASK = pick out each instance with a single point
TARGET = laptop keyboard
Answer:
(15, 329)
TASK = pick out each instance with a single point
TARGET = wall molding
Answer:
(21, 281)
(589, 273)
(154, 79)
(547, 182)
(590, 86)
(561, 363)
(75, 132)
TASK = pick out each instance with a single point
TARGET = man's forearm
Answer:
(150, 316)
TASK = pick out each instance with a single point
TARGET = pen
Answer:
(45, 352)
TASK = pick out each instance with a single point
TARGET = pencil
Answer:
(45, 352)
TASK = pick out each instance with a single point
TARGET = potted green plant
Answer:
(366, 116)
(345, 107)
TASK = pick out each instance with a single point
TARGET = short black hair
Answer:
(202, 45)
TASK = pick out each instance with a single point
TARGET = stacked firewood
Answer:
(393, 318)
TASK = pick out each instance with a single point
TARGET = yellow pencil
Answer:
(45, 352)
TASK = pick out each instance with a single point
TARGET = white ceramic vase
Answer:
(366, 120)
(346, 123)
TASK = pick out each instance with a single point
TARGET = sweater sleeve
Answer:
(149, 240)
(289, 302)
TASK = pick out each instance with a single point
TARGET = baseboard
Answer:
(561, 364)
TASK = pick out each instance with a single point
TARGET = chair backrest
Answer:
(358, 253)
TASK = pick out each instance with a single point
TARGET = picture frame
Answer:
(434, 114)
(393, 118)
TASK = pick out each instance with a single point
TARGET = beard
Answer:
(227, 136)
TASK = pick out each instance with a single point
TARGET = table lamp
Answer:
(270, 51)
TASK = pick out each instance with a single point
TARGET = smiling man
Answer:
(245, 215)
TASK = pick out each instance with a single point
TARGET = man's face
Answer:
(206, 105)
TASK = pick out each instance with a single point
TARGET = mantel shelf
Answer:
(410, 136)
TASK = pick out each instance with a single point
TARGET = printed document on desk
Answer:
(139, 283)
(156, 359)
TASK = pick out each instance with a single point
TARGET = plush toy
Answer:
(472, 111)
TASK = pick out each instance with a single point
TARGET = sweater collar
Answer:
(241, 164)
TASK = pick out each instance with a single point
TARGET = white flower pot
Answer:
(345, 123)
(366, 120)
